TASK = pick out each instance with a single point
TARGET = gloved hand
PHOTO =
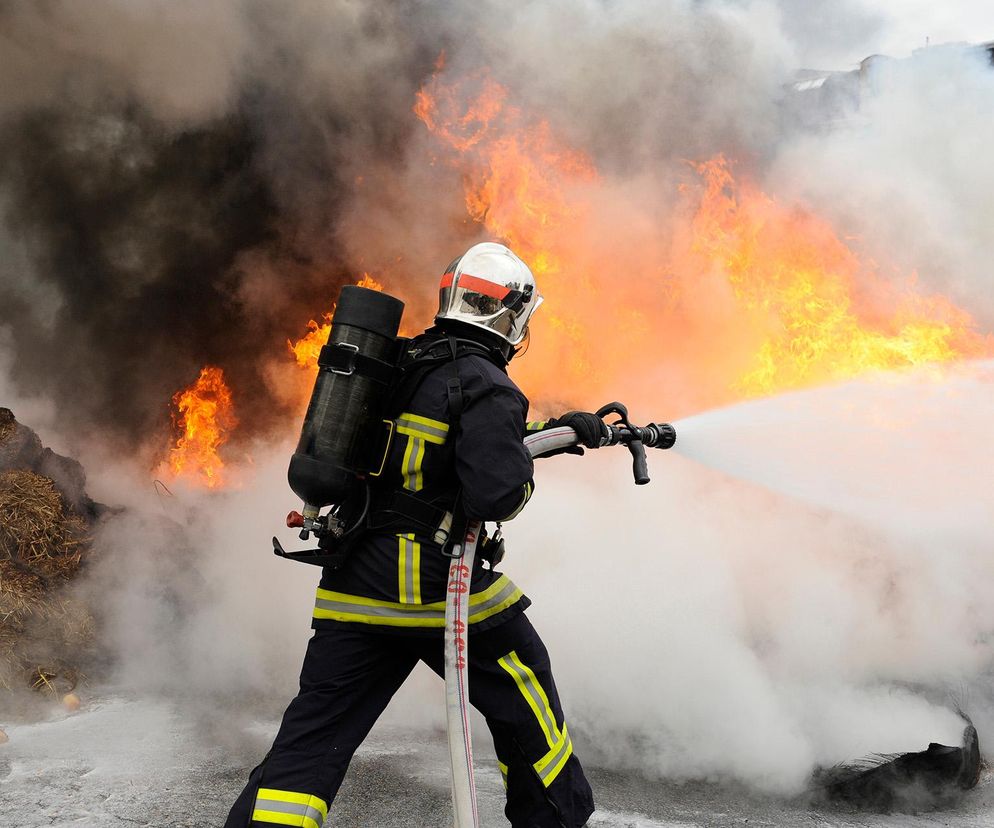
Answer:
(568, 450)
(590, 429)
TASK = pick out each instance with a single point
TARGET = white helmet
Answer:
(490, 288)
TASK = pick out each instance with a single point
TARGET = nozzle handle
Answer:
(640, 466)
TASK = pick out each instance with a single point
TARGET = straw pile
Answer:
(7, 424)
(42, 546)
(35, 528)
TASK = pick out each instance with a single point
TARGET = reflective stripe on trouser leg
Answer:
(519, 738)
(289, 808)
(560, 745)
(348, 677)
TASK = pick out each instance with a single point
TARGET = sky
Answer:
(842, 33)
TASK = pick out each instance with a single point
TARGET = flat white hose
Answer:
(464, 807)
(457, 682)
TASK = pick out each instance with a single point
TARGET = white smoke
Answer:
(702, 625)
(909, 179)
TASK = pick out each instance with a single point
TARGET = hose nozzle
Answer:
(665, 436)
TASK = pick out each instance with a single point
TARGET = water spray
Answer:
(621, 432)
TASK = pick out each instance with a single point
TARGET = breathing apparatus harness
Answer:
(363, 508)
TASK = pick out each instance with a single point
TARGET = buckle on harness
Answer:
(386, 449)
(491, 548)
(342, 358)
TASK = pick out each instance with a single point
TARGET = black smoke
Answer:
(145, 237)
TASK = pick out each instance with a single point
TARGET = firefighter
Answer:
(457, 448)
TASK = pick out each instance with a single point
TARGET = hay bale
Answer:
(44, 633)
(20, 447)
(69, 478)
(35, 528)
(7, 424)
(20, 592)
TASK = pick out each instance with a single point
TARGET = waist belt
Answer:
(399, 511)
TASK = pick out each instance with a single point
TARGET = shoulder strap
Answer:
(440, 350)
(454, 387)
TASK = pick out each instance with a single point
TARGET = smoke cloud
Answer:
(185, 184)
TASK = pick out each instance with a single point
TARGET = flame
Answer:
(205, 417)
(679, 298)
(809, 293)
(528, 189)
(307, 349)
(758, 296)
(520, 174)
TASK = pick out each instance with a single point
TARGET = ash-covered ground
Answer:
(126, 762)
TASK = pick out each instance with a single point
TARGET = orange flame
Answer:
(744, 294)
(205, 417)
(528, 189)
(307, 349)
(810, 294)
(520, 173)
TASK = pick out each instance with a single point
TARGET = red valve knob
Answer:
(295, 520)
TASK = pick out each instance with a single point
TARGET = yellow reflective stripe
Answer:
(407, 461)
(528, 493)
(425, 421)
(410, 466)
(340, 606)
(548, 766)
(416, 571)
(530, 688)
(419, 480)
(419, 431)
(402, 568)
(277, 818)
(536, 425)
(408, 569)
(414, 456)
(503, 773)
(413, 425)
(289, 808)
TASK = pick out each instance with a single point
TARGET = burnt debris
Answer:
(909, 782)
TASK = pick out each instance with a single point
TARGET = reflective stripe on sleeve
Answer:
(535, 425)
(524, 500)
(340, 606)
(289, 808)
(414, 425)
(503, 773)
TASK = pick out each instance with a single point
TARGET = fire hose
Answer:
(636, 438)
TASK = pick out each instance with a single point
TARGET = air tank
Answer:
(355, 370)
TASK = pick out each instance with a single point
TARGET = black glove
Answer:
(589, 428)
(567, 450)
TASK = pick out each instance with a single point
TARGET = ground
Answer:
(122, 762)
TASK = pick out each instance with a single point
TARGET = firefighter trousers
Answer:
(350, 674)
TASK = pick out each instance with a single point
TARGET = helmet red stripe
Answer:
(478, 285)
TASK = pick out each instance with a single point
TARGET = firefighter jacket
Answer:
(395, 575)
